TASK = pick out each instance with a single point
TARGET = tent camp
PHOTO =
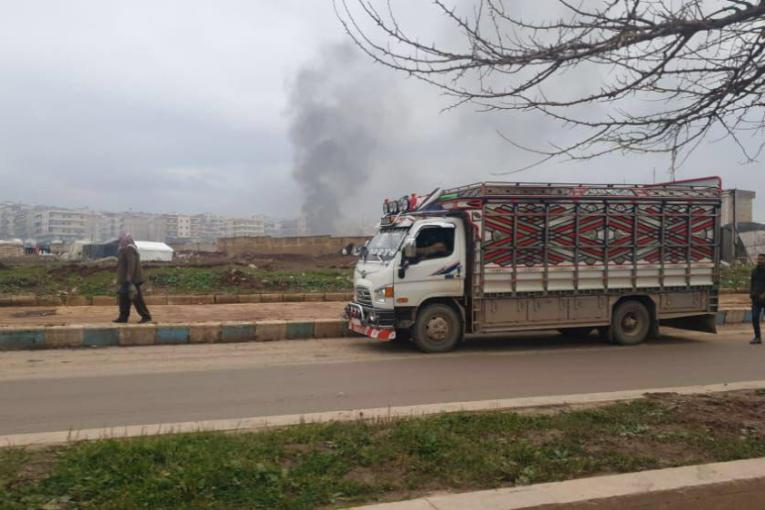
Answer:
(154, 252)
(149, 251)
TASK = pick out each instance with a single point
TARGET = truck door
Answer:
(437, 268)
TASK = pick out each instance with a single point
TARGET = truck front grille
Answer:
(363, 296)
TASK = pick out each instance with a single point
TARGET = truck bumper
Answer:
(359, 321)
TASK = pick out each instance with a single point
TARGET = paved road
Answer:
(43, 391)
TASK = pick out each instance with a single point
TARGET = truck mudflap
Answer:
(706, 323)
(384, 334)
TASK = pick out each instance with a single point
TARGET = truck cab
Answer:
(413, 260)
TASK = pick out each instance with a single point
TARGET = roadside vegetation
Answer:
(225, 279)
(736, 277)
(344, 464)
(228, 278)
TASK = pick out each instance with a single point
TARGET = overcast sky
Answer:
(187, 106)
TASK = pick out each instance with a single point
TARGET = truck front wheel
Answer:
(631, 323)
(438, 328)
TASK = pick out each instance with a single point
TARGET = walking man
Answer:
(757, 292)
(129, 281)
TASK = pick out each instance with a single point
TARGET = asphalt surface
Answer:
(45, 391)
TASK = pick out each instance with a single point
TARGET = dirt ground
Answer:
(64, 315)
(284, 262)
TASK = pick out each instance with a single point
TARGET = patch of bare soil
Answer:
(38, 467)
(726, 415)
(726, 412)
(68, 270)
(277, 262)
(34, 313)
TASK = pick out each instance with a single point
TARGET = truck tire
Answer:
(438, 328)
(575, 332)
(631, 323)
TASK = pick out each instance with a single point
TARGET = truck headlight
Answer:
(383, 293)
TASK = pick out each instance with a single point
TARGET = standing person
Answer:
(129, 280)
(757, 293)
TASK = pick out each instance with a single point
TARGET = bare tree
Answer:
(675, 69)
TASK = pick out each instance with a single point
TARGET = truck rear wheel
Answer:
(631, 323)
(438, 328)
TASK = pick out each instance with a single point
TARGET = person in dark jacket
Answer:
(129, 281)
(757, 293)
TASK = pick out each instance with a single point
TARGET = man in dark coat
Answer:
(757, 293)
(129, 281)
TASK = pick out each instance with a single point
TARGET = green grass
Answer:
(343, 464)
(736, 277)
(94, 281)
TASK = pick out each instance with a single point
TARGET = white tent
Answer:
(154, 252)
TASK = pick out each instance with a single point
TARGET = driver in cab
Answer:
(431, 245)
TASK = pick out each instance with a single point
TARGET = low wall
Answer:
(304, 245)
(194, 247)
(8, 251)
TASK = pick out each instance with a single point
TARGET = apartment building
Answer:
(178, 226)
(144, 227)
(64, 225)
(245, 227)
(8, 214)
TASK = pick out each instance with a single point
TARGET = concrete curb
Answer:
(175, 299)
(381, 413)
(107, 335)
(111, 335)
(737, 484)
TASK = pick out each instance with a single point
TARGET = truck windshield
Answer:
(386, 243)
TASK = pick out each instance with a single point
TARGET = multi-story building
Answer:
(47, 224)
(211, 227)
(109, 226)
(178, 227)
(294, 227)
(8, 212)
(245, 227)
(144, 227)
(64, 225)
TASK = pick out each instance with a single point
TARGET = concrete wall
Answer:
(194, 247)
(8, 250)
(307, 245)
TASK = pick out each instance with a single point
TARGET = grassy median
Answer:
(226, 279)
(343, 464)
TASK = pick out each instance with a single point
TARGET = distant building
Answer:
(45, 225)
(294, 228)
(738, 204)
(144, 227)
(64, 225)
(178, 227)
(245, 227)
(211, 227)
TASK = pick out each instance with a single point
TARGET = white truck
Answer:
(494, 258)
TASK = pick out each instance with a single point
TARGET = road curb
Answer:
(381, 413)
(108, 335)
(26, 300)
(736, 484)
